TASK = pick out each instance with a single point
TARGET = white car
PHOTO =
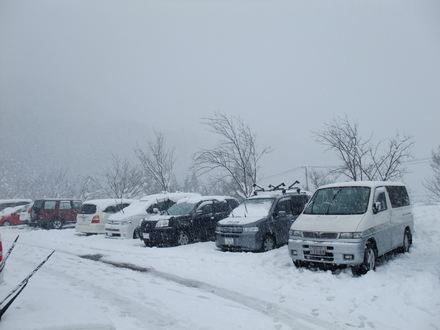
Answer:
(25, 214)
(124, 224)
(93, 216)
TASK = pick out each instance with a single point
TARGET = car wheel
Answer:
(369, 262)
(6, 223)
(183, 238)
(56, 223)
(406, 242)
(268, 243)
(148, 243)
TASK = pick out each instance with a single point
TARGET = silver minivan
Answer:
(351, 224)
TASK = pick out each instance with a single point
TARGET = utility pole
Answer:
(307, 179)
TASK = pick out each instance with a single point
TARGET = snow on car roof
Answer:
(371, 184)
(141, 205)
(106, 202)
(10, 210)
(196, 199)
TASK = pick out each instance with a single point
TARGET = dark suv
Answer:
(190, 219)
(54, 213)
(262, 222)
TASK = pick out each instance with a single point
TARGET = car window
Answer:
(65, 205)
(284, 205)
(50, 205)
(205, 208)
(88, 209)
(380, 200)
(398, 196)
(77, 205)
(298, 204)
(110, 209)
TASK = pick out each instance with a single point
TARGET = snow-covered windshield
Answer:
(339, 201)
(182, 208)
(253, 207)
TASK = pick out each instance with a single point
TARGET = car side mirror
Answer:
(376, 207)
(281, 214)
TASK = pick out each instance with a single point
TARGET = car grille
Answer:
(230, 229)
(324, 235)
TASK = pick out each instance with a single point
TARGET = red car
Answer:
(10, 216)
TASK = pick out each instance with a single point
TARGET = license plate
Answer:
(146, 236)
(229, 241)
(318, 250)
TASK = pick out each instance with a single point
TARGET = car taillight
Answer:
(95, 219)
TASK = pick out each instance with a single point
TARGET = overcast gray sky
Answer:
(89, 77)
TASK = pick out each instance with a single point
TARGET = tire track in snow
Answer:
(280, 315)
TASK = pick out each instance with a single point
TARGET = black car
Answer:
(261, 222)
(190, 219)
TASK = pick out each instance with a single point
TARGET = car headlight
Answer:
(295, 233)
(350, 235)
(250, 229)
(162, 223)
(125, 223)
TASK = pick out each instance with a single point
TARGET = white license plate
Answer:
(318, 250)
(229, 241)
(146, 235)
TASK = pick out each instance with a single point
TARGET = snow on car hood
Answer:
(329, 223)
(240, 220)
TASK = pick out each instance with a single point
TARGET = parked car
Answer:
(4, 203)
(261, 222)
(54, 212)
(25, 214)
(10, 216)
(351, 224)
(124, 224)
(93, 215)
(190, 219)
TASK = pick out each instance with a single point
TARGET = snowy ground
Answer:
(200, 287)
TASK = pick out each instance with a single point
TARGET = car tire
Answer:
(369, 262)
(268, 243)
(56, 223)
(6, 223)
(406, 242)
(183, 238)
(148, 243)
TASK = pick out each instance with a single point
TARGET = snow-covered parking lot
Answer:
(95, 283)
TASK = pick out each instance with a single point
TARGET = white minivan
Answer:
(351, 224)
(124, 224)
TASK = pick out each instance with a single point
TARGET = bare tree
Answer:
(433, 184)
(361, 160)
(319, 178)
(158, 162)
(123, 180)
(236, 155)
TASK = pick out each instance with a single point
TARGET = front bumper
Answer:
(160, 237)
(327, 252)
(240, 242)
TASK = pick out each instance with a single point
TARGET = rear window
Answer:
(398, 196)
(88, 209)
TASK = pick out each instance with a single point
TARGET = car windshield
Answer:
(253, 207)
(339, 201)
(183, 208)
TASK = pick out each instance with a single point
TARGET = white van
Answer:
(124, 224)
(352, 224)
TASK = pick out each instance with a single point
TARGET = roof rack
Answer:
(279, 188)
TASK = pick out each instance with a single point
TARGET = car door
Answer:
(282, 218)
(203, 220)
(382, 220)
